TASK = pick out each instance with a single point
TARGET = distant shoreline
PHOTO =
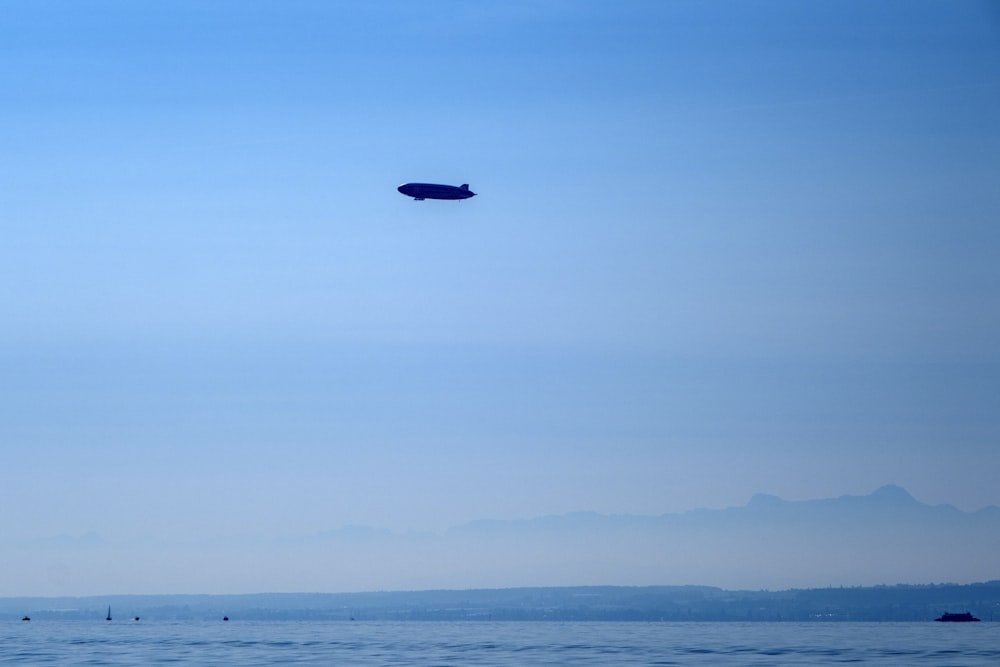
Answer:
(900, 602)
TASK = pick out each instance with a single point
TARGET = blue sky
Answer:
(718, 249)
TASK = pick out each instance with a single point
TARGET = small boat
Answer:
(225, 618)
(957, 618)
(109, 613)
(26, 618)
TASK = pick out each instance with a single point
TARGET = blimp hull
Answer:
(420, 191)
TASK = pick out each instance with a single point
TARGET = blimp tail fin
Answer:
(464, 186)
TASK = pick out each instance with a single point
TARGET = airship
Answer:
(422, 191)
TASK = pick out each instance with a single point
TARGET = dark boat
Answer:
(26, 618)
(109, 613)
(957, 618)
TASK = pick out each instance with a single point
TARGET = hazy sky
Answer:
(718, 248)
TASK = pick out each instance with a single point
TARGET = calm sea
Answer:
(500, 643)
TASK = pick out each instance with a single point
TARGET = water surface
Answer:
(496, 643)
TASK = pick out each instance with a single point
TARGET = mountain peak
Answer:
(890, 493)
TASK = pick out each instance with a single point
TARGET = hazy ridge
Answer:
(864, 547)
(884, 537)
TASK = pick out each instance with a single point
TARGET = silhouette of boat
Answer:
(957, 618)
(109, 613)
(26, 618)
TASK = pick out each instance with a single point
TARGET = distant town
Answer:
(896, 603)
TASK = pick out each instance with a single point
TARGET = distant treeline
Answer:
(585, 603)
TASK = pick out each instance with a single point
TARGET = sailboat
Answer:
(109, 613)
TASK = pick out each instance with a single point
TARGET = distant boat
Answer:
(957, 618)
(26, 618)
(135, 618)
(225, 618)
(109, 613)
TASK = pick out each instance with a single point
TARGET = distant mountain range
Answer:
(884, 537)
